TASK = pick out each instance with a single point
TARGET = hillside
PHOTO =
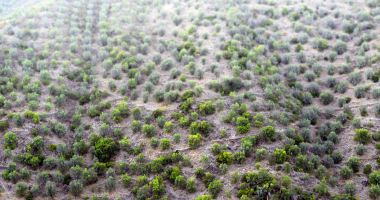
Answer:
(189, 99)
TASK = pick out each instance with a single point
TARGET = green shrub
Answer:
(215, 187)
(286, 181)
(260, 154)
(191, 185)
(165, 143)
(215, 149)
(374, 191)
(10, 140)
(362, 136)
(126, 180)
(136, 125)
(367, 169)
(268, 133)
(168, 127)
(104, 149)
(149, 130)
(184, 122)
(205, 127)
(21, 189)
(157, 113)
(4, 125)
(154, 142)
(287, 167)
(280, 155)
(177, 137)
(354, 164)
(225, 157)
(195, 140)
(243, 125)
(346, 172)
(322, 188)
(206, 108)
(199, 173)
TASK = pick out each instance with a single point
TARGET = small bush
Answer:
(362, 136)
(268, 133)
(165, 143)
(360, 91)
(360, 149)
(354, 164)
(327, 97)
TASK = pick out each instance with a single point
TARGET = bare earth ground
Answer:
(346, 143)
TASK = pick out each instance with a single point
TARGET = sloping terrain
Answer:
(170, 99)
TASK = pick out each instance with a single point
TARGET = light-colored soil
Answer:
(346, 144)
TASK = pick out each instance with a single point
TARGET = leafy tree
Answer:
(24, 174)
(154, 142)
(206, 108)
(80, 147)
(199, 173)
(327, 97)
(205, 160)
(125, 143)
(158, 187)
(14, 176)
(161, 121)
(75, 172)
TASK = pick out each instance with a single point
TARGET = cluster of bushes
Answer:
(206, 108)
(187, 100)
(94, 111)
(251, 179)
(120, 112)
(95, 96)
(232, 116)
(35, 117)
(12, 174)
(29, 159)
(213, 185)
(104, 148)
